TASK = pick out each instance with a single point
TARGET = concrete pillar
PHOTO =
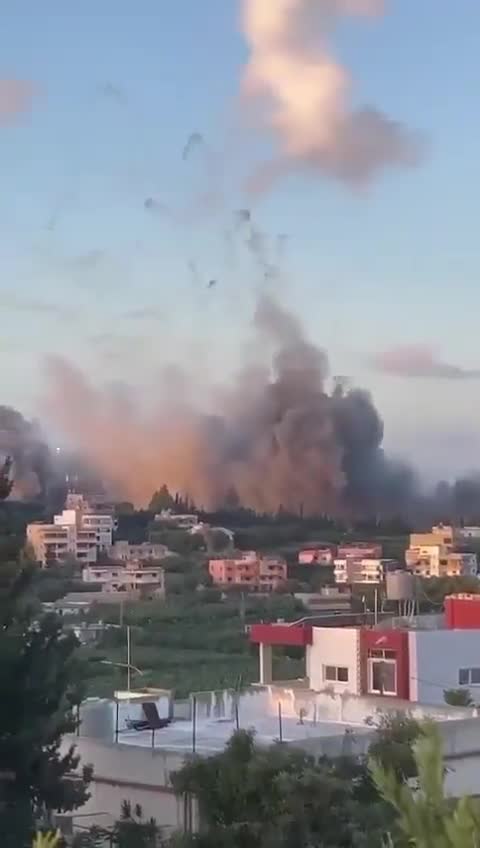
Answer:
(265, 653)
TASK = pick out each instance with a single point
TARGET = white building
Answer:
(135, 576)
(180, 522)
(78, 532)
(472, 533)
(366, 570)
(146, 551)
(56, 542)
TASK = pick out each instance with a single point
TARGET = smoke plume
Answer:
(303, 94)
(22, 441)
(419, 361)
(275, 436)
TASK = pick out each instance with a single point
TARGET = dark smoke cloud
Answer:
(276, 436)
(418, 361)
(23, 442)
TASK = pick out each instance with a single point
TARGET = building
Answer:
(367, 570)
(250, 570)
(433, 554)
(56, 542)
(360, 550)
(77, 532)
(329, 600)
(179, 522)
(470, 534)
(146, 551)
(320, 555)
(90, 517)
(413, 662)
(135, 576)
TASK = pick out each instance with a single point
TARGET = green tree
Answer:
(425, 817)
(161, 499)
(40, 687)
(130, 831)
(254, 797)
(458, 697)
(393, 744)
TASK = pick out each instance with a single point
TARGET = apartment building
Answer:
(134, 576)
(146, 551)
(78, 531)
(433, 554)
(250, 570)
(320, 555)
(363, 570)
(52, 543)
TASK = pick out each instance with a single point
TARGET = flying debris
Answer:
(194, 140)
(113, 92)
(242, 216)
(155, 206)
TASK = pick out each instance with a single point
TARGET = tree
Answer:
(425, 817)
(40, 687)
(6, 482)
(161, 499)
(458, 697)
(255, 797)
(394, 741)
(130, 831)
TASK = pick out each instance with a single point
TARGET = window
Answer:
(381, 654)
(336, 674)
(469, 676)
(382, 676)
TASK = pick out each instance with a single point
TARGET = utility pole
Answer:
(128, 658)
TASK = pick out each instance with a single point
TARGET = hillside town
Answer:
(323, 636)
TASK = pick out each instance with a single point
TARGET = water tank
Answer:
(400, 586)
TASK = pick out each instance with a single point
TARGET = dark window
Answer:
(343, 675)
(463, 676)
(475, 672)
(330, 672)
(383, 678)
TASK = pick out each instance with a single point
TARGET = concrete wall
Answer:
(334, 646)
(125, 772)
(435, 659)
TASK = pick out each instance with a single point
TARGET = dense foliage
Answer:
(424, 816)
(40, 690)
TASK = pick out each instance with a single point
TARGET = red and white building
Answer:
(410, 664)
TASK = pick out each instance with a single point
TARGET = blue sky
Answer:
(397, 264)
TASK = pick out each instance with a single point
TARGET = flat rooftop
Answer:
(211, 735)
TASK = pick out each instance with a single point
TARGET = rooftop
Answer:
(323, 722)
